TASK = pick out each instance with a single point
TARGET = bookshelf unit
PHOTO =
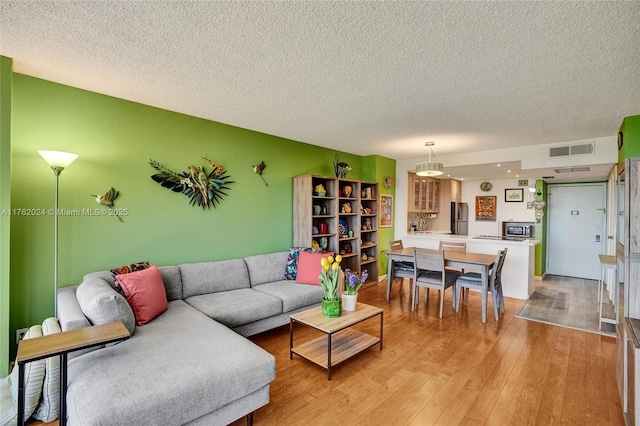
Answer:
(344, 220)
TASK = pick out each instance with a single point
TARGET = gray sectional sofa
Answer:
(192, 364)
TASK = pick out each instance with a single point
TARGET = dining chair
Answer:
(473, 280)
(454, 246)
(400, 270)
(429, 272)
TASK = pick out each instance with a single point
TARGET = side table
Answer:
(61, 344)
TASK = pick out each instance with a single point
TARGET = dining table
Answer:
(479, 262)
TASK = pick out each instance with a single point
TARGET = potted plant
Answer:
(352, 284)
(329, 278)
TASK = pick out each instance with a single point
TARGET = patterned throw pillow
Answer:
(127, 269)
(291, 271)
(138, 266)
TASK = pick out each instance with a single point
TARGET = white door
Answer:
(577, 232)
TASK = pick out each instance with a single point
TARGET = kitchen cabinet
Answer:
(343, 220)
(424, 194)
(456, 190)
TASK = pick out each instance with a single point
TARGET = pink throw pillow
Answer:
(309, 267)
(145, 293)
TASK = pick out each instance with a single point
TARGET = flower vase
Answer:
(350, 301)
(331, 308)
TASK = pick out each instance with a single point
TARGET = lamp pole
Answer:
(56, 171)
(57, 160)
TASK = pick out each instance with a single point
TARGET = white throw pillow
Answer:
(33, 377)
(49, 407)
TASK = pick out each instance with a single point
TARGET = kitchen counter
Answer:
(518, 270)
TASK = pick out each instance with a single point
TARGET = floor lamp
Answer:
(58, 161)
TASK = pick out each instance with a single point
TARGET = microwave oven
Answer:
(518, 229)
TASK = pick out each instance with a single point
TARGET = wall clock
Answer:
(486, 186)
(620, 141)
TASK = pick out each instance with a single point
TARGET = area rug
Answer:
(567, 302)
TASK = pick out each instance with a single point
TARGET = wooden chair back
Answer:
(495, 280)
(453, 246)
(428, 260)
(397, 244)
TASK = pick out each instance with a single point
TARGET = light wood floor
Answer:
(448, 372)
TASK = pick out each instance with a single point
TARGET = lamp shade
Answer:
(58, 158)
(429, 169)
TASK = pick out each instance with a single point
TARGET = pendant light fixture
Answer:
(430, 168)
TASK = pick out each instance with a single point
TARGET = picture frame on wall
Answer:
(513, 195)
(486, 208)
(386, 211)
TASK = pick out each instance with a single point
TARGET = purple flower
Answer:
(353, 282)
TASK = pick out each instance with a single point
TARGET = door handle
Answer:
(610, 237)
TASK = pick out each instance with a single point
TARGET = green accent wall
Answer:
(6, 75)
(377, 169)
(540, 250)
(115, 139)
(630, 129)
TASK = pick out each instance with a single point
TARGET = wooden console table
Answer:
(61, 344)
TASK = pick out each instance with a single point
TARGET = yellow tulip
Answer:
(326, 267)
(335, 266)
(323, 261)
(338, 258)
(330, 259)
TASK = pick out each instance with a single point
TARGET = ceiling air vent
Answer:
(567, 150)
(582, 149)
(559, 151)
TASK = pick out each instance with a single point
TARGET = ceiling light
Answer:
(430, 168)
(498, 165)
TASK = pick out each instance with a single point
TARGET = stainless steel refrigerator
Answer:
(459, 218)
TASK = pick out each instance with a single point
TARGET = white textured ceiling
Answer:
(362, 77)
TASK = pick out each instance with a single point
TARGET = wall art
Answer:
(486, 208)
(204, 189)
(107, 200)
(514, 195)
(258, 169)
(386, 211)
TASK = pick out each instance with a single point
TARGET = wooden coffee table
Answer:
(342, 342)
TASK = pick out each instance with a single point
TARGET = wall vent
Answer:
(568, 150)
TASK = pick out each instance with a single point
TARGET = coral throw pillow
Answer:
(145, 293)
(309, 267)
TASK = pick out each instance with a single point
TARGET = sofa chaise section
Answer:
(180, 367)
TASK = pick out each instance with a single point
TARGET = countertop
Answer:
(469, 238)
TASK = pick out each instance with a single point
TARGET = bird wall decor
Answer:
(258, 169)
(203, 189)
(107, 200)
